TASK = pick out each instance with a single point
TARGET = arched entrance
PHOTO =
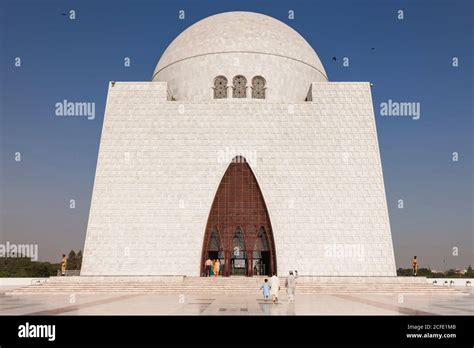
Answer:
(239, 255)
(238, 230)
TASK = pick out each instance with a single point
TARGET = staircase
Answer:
(235, 285)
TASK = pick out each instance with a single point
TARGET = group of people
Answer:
(213, 267)
(273, 287)
(270, 288)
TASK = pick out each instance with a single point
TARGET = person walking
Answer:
(290, 285)
(414, 264)
(216, 268)
(274, 287)
(208, 265)
(266, 289)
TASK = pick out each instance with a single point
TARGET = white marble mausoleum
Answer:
(239, 149)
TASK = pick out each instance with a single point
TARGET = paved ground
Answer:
(207, 304)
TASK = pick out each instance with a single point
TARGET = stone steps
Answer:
(300, 286)
(233, 292)
(230, 287)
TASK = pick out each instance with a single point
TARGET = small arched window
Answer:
(220, 87)
(240, 87)
(258, 87)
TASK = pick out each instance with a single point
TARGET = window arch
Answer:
(240, 87)
(258, 87)
(214, 241)
(261, 243)
(220, 87)
(238, 244)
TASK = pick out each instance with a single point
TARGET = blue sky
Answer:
(75, 59)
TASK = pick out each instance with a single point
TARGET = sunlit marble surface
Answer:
(247, 304)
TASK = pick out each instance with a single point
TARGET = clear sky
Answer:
(408, 60)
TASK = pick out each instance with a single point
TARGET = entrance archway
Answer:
(238, 230)
(239, 255)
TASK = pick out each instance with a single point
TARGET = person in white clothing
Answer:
(290, 285)
(274, 287)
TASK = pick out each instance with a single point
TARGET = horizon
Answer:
(408, 61)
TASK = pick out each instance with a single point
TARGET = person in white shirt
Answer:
(274, 287)
(208, 265)
(290, 285)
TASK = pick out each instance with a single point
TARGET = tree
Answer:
(79, 260)
(24, 267)
(404, 272)
(424, 272)
(452, 273)
(469, 272)
(71, 261)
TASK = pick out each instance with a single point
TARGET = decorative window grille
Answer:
(240, 87)
(258, 87)
(220, 87)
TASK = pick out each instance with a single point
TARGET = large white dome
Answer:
(239, 43)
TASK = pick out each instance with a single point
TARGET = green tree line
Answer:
(20, 267)
(425, 272)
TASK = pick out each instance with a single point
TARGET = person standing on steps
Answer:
(63, 265)
(216, 268)
(414, 264)
(208, 265)
(290, 285)
(274, 287)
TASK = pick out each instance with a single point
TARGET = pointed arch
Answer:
(214, 243)
(261, 242)
(240, 212)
